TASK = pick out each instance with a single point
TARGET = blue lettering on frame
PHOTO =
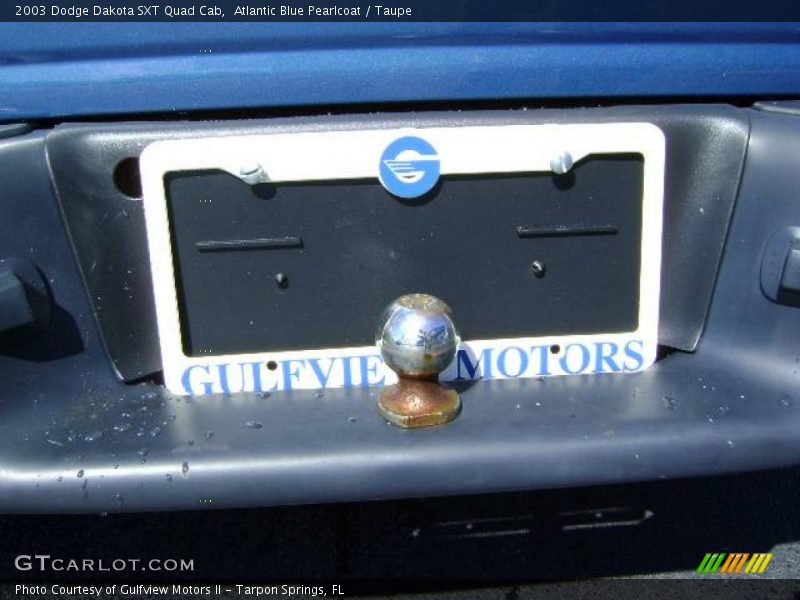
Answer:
(544, 358)
(634, 354)
(367, 369)
(347, 366)
(606, 352)
(463, 358)
(186, 380)
(503, 367)
(322, 377)
(585, 357)
(289, 373)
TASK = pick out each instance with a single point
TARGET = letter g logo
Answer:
(409, 167)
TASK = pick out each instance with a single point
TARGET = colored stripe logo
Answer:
(733, 563)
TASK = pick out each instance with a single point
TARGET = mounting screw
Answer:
(539, 269)
(252, 172)
(561, 163)
(282, 280)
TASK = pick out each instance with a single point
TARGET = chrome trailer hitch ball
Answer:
(418, 340)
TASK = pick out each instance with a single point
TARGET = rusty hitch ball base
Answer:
(418, 339)
(419, 403)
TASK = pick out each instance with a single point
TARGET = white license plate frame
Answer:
(356, 154)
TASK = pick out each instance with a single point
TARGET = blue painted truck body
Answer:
(52, 70)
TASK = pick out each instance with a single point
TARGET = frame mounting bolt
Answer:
(252, 172)
(561, 163)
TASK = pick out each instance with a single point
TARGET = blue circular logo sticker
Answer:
(409, 167)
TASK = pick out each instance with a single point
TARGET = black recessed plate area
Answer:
(311, 265)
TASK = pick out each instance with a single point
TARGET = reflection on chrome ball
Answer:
(416, 336)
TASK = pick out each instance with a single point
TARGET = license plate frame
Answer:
(331, 155)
